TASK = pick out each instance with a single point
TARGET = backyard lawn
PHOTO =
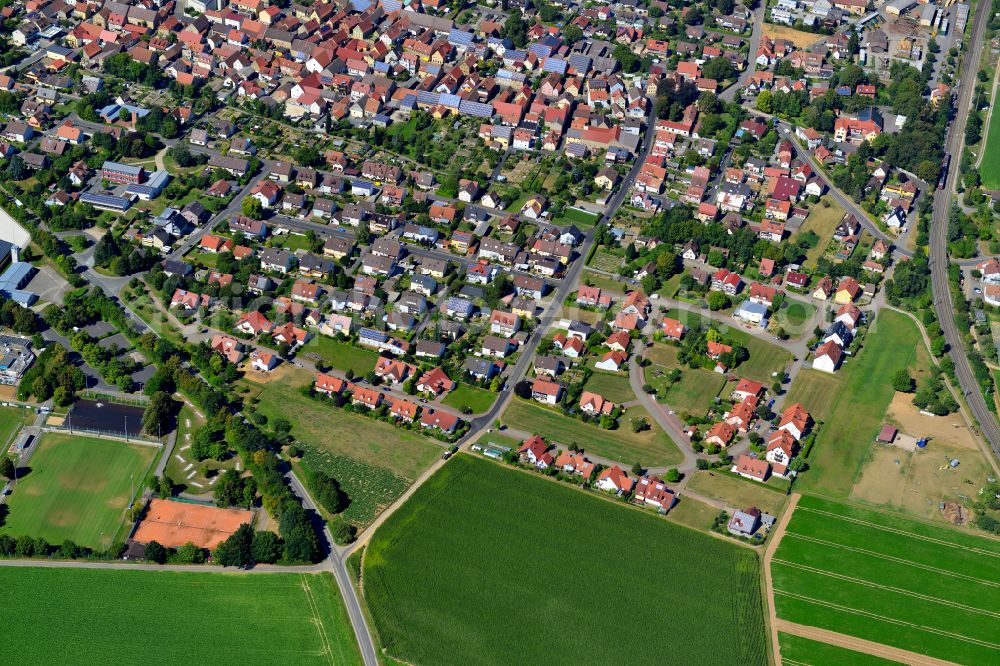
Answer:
(692, 394)
(822, 221)
(476, 399)
(342, 355)
(652, 447)
(613, 387)
(738, 493)
(765, 358)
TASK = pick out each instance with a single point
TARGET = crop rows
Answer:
(88, 616)
(503, 546)
(925, 588)
(369, 488)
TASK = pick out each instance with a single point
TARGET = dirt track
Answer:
(857, 644)
(824, 635)
(772, 545)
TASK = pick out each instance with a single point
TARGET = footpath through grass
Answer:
(78, 489)
(856, 412)
(511, 586)
(93, 616)
(888, 579)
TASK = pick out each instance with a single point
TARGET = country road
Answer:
(939, 238)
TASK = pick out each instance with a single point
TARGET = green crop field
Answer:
(174, 617)
(369, 487)
(605, 261)
(878, 576)
(614, 387)
(78, 489)
(373, 460)
(477, 399)
(798, 651)
(989, 168)
(652, 447)
(502, 572)
(342, 355)
(892, 344)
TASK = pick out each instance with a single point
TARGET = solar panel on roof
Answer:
(580, 63)
(554, 65)
(451, 101)
(427, 97)
(361, 5)
(477, 109)
(540, 50)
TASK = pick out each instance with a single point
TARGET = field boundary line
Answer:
(769, 550)
(862, 645)
(888, 588)
(892, 558)
(317, 618)
(893, 530)
(889, 620)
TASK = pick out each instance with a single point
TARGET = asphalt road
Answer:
(939, 237)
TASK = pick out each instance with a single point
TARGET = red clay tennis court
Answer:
(174, 524)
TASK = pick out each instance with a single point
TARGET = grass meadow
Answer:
(475, 568)
(854, 413)
(78, 489)
(652, 448)
(476, 399)
(989, 169)
(342, 355)
(174, 617)
(930, 589)
(374, 461)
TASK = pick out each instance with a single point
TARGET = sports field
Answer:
(929, 589)
(78, 489)
(92, 616)
(799, 651)
(892, 344)
(652, 447)
(12, 419)
(474, 568)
